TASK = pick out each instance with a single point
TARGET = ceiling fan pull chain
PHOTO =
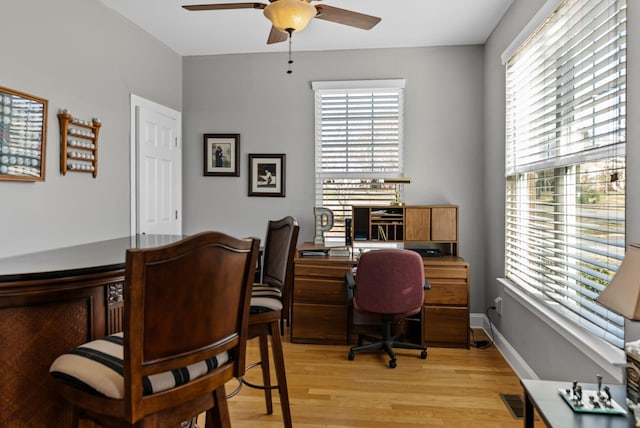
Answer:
(289, 71)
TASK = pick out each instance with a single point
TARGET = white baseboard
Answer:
(517, 363)
(478, 320)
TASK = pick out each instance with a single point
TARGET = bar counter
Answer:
(52, 301)
(93, 257)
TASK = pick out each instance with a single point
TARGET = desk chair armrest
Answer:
(350, 282)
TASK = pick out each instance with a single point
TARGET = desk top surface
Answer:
(556, 412)
(93, 257)
(323, 255)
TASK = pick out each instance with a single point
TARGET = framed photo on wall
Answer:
(23, 136)
(267, 175)
(221, 155)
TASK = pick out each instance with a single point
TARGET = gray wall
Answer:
(78, 55)
(274, 113)
(81, 56)
(544, 350)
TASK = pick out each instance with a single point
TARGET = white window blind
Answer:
(565, 161)
(358, 143)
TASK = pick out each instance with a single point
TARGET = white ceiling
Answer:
(405, 23)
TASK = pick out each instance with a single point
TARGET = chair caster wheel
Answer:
(423, 355)
(392, 364)
(351, 356)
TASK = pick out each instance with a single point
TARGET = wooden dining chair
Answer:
(270, 303)
(186, 315)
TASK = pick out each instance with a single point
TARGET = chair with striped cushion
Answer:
(270, 303)
(186, 314)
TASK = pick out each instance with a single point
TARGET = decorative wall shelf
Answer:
(78, 144)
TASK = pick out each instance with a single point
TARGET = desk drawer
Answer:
(446, 272)
(319, 324)
(320, 291)
(445, 326)
(446, 292)
(322, 271)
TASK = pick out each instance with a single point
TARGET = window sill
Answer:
(611, 359)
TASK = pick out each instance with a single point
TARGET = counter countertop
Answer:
(94, 257)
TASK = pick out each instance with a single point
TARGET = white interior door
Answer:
(158, 169)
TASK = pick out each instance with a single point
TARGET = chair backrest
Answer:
(184, 303)
(280, 246)
(389, 282)
(280, 249)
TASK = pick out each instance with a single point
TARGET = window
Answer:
(358, 143)
(565, 161)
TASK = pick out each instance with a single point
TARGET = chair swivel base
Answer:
(387, 345)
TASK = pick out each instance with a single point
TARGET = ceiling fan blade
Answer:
(346, 17)
(276, 36)
(225, 6)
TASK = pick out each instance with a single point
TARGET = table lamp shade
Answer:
(622, 295)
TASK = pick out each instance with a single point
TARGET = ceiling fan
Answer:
(290, 16)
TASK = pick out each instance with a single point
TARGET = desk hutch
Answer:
(320, 308)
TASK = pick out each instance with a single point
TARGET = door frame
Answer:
(137, 101)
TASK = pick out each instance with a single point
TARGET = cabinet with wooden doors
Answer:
(430, 226)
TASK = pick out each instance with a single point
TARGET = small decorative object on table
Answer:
(588, 401)
(397, 181)
(324, 223)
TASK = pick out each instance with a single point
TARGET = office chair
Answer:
(388, 285)
(186, 315)
(270, 305)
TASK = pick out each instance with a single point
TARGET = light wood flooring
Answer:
(451, 388)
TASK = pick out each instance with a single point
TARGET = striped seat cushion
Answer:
(97, 366)
(265, 298)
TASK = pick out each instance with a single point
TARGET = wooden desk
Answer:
(320, 310)
(50, 302)
(556, 413)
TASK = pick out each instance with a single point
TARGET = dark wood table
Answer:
(555, 412)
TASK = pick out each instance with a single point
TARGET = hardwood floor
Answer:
(451, 388)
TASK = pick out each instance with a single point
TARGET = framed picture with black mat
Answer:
(221, 155)
(267, 175)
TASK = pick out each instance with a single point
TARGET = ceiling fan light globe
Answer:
(290, 15)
